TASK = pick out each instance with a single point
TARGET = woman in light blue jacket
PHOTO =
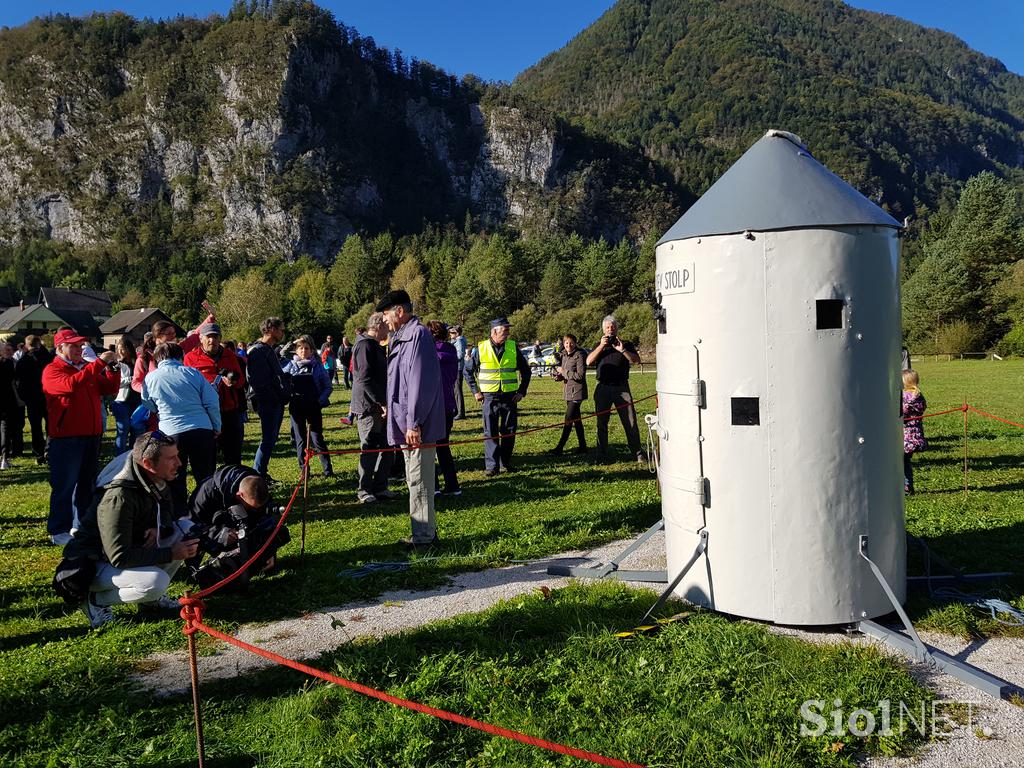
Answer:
(311, 393)
(188, 410)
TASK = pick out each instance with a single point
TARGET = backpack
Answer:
(74, 574)
(72, 579)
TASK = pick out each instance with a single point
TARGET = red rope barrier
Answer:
(996, 418)
(193, 617)
(959, 409)
(468, 441)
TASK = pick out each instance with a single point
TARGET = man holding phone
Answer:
(613, 357)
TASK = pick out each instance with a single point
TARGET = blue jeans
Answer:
(124, 437)
(73, 468)
(271, 415)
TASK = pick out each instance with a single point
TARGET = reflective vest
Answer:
(497, 375)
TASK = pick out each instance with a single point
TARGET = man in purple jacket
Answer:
(415, 409)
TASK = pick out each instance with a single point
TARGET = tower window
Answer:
(829, 313)
(746, 411)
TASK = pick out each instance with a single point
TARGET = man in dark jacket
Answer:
(230, 486)
(613, 358)
(268, 388)
(345, 361)
(28, 380)
(9, 406)
(233, 505)
(132, 536)
(369, 393)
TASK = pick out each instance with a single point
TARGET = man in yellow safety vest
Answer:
(502, 377)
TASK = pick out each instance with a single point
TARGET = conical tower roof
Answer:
(777, 184)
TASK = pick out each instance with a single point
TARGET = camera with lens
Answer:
(207, 543)
(229, 376)
(613, 341)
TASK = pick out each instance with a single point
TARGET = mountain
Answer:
(279, 131)
(904, 113)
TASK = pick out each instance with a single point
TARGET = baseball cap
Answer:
(68, 337)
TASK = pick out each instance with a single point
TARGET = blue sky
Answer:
(496, 40)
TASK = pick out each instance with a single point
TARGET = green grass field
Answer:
(707, 691)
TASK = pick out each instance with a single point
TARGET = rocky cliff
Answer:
(279, 135)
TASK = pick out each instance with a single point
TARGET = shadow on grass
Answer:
(25, 475)
(976, 551)
(971, 551)
(54, 635)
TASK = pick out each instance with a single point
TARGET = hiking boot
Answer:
(163, 608)
(490, 472)
(96, 614)
(641, 457)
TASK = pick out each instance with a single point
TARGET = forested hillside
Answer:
(903, 113)
(276, 160)
(158, 158)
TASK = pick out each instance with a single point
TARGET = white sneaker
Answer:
(5, 464)
(96, 614)
(367, 498)
(60, 539)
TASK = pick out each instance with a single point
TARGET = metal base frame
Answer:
(909, 643)
(912, 645)
(700, 549)
(611, 570)
(974, 677)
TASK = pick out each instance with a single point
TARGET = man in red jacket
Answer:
(219, 365)
(73, 389)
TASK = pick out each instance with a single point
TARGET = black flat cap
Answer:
(391, 299)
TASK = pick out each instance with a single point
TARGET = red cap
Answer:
(68, 337)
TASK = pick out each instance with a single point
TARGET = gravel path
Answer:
(994, 737)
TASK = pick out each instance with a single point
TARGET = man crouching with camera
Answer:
(132, 536)
(232, 520)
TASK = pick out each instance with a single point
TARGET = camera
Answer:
(201, 533)
(613, 341)
(229, 376)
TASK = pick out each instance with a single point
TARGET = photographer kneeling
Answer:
(233, 519)
(131, 535)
